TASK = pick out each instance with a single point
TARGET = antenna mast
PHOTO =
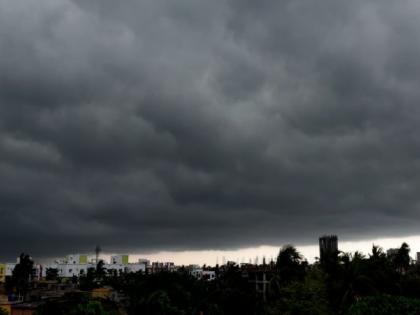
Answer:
(97, 252)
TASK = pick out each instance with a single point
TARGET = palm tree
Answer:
(377, 253)
(289, 264)
(344, 258)
(288, 261)
(358, 256)
(402, 258)
(288, 256)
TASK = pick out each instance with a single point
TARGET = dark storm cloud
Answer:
(150, 125)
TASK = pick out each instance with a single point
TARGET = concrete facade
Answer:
(78, 265)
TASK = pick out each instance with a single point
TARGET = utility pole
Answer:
(97, 252)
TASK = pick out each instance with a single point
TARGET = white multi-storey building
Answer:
(78, 265)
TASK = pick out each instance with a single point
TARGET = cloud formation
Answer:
(156, 125)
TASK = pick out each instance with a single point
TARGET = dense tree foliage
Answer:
(89, 308)
(349, 284)
(290, 264)
(78, 304)
(302, 297)
(385, 305)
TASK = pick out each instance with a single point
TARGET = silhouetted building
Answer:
(157, 267)
(328, 248)
(392, 252)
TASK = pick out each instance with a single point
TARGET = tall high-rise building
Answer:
(328, 248)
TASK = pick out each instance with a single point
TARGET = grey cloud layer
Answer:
(150, 125)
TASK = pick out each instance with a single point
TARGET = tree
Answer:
(288, 256)
(289, 264)
(303, 297)
(382, 272)
(173, 293)
(51, 274)
(90, 308)
(159, 303)
(22, 274)
(377, 253)
(344, 258)
(87, 282)
(402, 258)
(385, 305)
(358, 256)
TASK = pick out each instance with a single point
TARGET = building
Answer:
(259, 277)
(78, 265)
(208, 275)
(77, 259)
(6, 270)
(392, 252)
(196, 271)
(199, 273)
(119, 259)
(161, 267)
(37, 272)
(71, 265)
(328, 248)
(121, 263)
(9, 268)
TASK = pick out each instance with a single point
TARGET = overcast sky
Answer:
(154, 125)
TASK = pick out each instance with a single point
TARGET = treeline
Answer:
(340, 284)
(344, 283)
(348, 284)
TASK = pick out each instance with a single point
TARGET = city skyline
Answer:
(251, 254)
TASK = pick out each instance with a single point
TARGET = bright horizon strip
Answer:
(211, 257)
